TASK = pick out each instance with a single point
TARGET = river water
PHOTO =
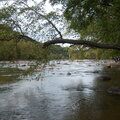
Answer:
(63, 90)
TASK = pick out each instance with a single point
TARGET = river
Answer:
(63, 90)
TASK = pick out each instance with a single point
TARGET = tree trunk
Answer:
(82, 42)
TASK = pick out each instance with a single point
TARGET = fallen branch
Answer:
(82, 42)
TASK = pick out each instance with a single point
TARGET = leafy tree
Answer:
(7, 33)
(94, 19)
(23, 18)
(57, 52)
(26, 50)
(97, 22)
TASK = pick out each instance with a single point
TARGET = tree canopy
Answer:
(14, 46)
(97, 21)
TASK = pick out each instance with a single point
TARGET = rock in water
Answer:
(114, 90)
(109, 66)
(96, 71)
(104, 78)
(68, 73)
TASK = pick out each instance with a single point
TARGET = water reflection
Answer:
(54, 95)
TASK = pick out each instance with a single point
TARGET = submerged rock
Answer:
(109, 66)
(66, 64)
(23, 65)
(68, 73)
(114, 90)
(96, 71)
(60, 73)
(105, 78)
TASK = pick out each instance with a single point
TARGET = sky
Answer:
(48, 7)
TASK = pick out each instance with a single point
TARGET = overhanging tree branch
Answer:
(50, 23)
(43, 16)
(70, 41)
(24, 37)
(20, 37)
(82, 42)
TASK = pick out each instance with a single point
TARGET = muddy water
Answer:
(63, 90)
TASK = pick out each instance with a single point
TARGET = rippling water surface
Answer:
(63, 90)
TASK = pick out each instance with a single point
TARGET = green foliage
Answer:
(77, 52)
(57, 52)
(101, 54)
(7, 50)
(27, 50)
(12, 49)
(6, 32)
(95, 20)
(7, 12)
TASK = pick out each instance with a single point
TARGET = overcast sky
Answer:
(48, 7)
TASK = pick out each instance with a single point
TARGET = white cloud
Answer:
(48, 8)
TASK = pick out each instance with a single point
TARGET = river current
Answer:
(63, 90)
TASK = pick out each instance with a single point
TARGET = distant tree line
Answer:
(13, 48)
